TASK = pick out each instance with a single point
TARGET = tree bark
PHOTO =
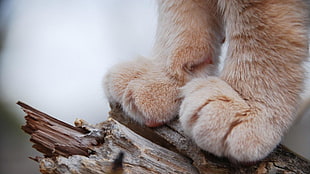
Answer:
(86, 148)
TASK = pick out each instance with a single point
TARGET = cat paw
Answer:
(145, 92)
(221, 122)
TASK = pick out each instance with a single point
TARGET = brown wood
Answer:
(53, 137)
(88, 148)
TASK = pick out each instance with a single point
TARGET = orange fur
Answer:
(243, 111)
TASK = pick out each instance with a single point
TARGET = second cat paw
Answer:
(221, 122)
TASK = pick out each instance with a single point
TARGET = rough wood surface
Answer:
(146, 150)
(53, 137)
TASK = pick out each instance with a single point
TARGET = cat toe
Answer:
(151, 101)
(119, 76)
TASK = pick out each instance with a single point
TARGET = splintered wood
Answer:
(135, 149)
(53, 137)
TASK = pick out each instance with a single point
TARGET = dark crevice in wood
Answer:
(146, 132)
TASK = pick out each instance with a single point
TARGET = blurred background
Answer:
(53, 55)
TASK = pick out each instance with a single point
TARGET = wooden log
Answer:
(88, 148)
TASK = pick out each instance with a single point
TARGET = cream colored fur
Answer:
(241, 112)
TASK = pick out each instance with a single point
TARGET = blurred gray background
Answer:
(53, 55)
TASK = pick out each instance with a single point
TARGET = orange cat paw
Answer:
(145, 92)
(221, 122)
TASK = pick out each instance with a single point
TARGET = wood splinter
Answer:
(53, 137)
